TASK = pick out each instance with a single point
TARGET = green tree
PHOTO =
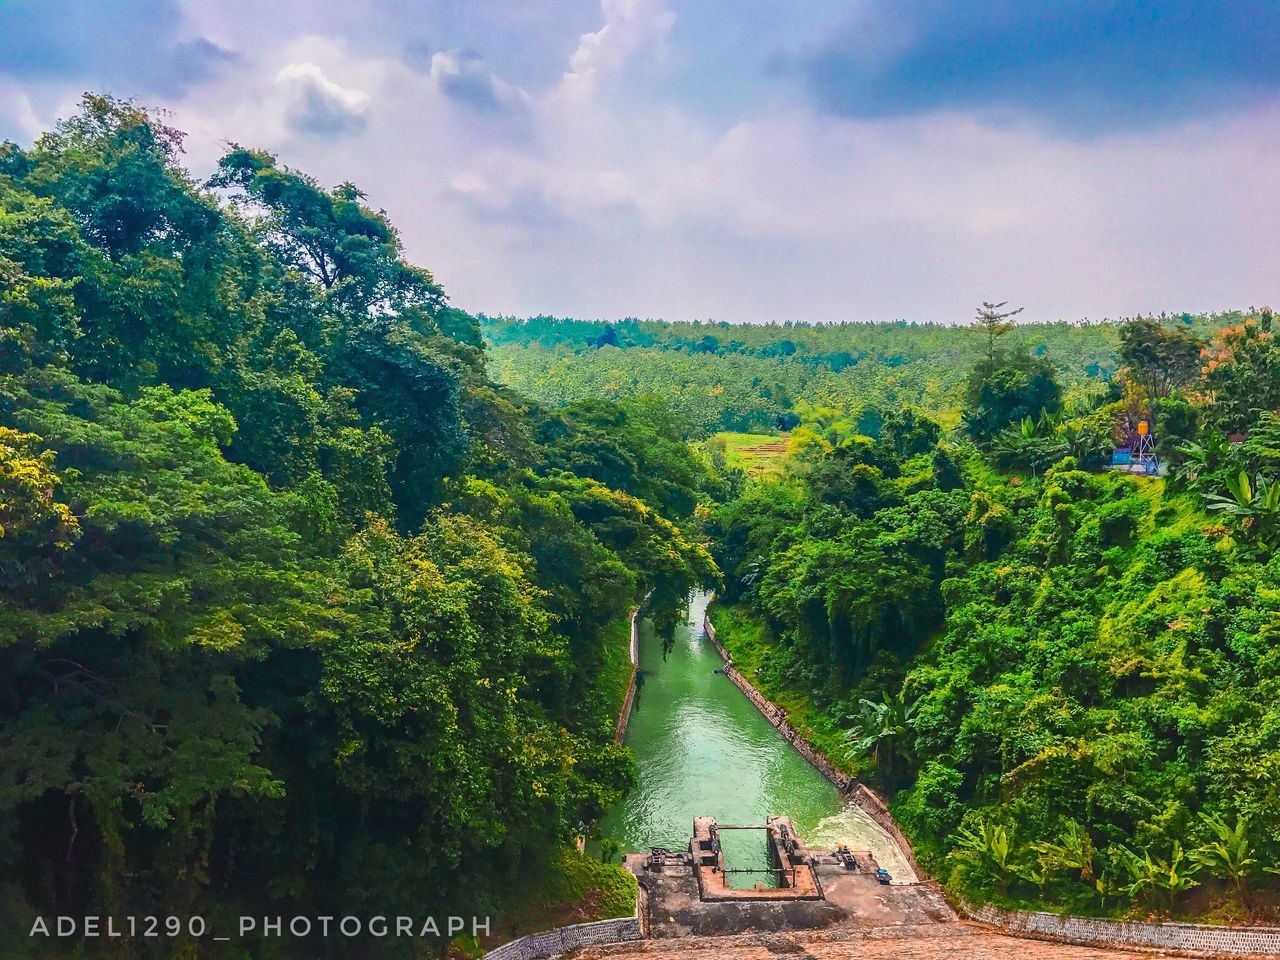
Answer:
(1007, 389)
(884, 729)
(1160, 359)
(992, 322)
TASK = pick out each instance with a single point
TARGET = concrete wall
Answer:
(562, 940)
(851, 789)
(624, 715)
(1189, 938)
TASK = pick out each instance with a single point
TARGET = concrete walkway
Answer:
(950, 941)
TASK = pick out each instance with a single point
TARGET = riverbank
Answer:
(745, 641)
(859, 794)
(703, 749)
(574, 886)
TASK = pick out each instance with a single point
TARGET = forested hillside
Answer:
(314, 587)
(300, 613)
(1066, 679)
(743, 377)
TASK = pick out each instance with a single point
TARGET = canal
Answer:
(702, 749)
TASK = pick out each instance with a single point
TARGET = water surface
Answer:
(702, 749)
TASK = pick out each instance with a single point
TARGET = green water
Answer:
(702, 749)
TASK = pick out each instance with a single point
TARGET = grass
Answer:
(747, 639)
(615, 669)
(570, 887)
(755, 453)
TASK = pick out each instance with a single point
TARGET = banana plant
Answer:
(1202, 460)
(1229, 854)
(1159, 882)
(1073, 850)
(1256, 504)
(989, 849)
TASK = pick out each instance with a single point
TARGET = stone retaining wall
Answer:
(562, 940)
(1185, 938)
(624, 715)
(854, 791)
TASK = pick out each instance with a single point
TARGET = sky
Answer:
(739, 160)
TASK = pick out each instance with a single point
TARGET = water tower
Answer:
(1144, 458)
(1138, 455)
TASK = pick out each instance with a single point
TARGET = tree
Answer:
(993, 322)
(1007, 389)
(1161, 360)
(1242, 373)
(35, 528)
(885, 729)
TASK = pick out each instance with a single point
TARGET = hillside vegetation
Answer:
(1065, 679)
(300, 612)
(749, 378)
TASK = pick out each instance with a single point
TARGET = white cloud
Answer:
(17, 112)
(630, 202)
(629, 25)
(316, 104)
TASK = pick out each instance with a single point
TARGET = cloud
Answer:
(316, 104)
(628, 26)
(603, 183)
(463, 78)
(134, 47)
(1083, 67)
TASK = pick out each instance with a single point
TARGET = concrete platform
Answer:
(837, 892)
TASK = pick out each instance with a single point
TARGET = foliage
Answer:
(1242, 372)
(885, 729)
(299, 611)
(753, 377)
(993, 322)
(1007, 388)
(1088, 656)
(1161, 360)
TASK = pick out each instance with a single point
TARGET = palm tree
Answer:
(885, 729)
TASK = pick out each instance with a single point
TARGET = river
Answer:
(702, 749)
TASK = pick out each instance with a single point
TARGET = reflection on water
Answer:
(702, 749)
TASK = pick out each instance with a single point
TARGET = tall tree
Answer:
(993, 322)
(1159, 360)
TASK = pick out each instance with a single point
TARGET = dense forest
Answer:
(300, 612)
(743, 377)
(1065, 678)
(314, 587)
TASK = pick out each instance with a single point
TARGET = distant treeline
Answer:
(724, 376)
